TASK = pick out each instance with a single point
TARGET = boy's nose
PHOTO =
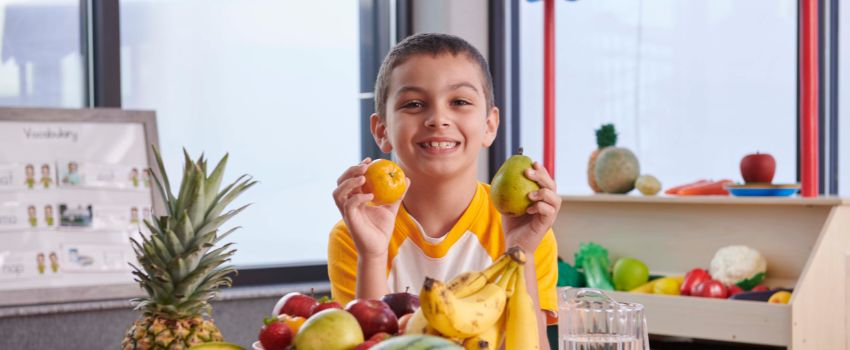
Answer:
(437, 120)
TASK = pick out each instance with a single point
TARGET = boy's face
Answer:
(437, 119)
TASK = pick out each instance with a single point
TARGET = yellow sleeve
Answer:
(342, 264)
(546, 267)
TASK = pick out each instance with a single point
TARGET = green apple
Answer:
(329, 329)
(630, 273)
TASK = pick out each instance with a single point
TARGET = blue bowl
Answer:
(763, 190)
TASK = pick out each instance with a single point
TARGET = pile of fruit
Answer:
(612, 169)
(475, 310)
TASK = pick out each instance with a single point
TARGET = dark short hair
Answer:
(428, 44)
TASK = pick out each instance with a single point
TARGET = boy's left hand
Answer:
(526, 231)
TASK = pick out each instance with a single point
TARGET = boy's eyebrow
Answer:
(462, 84)
(404, 89)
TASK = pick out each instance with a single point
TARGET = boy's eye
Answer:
(412, 104)
(461, 103)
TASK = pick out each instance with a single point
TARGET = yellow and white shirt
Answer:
(476, 240)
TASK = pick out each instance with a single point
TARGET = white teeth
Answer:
(438, 144)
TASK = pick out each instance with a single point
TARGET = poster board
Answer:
(74, 188)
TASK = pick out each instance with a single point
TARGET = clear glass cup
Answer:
(588, 319)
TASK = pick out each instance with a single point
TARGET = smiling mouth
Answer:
(439, 145)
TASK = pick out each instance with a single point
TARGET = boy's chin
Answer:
(443, 171)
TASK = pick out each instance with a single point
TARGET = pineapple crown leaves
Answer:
(177, 265)
(606, 136)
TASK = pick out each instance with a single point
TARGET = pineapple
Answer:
(606, 136)
(180, 270)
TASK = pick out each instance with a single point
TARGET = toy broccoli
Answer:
(568, 276)
(593, 258)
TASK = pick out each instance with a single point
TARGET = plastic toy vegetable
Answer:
(593, 258)
(739, 265)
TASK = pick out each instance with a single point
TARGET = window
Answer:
(41, 65)
(263, 80)
(692, 86)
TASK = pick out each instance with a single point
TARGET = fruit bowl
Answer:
(762, 190)
(257, 346)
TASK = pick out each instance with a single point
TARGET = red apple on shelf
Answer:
(712, 289)
(758, 167)
(402, 303)
(374, 316)
(295, 304)
(324, 304)
(275, 335)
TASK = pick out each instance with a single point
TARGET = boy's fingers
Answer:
(545, 195)
(348, 187)
(356, 200)
(353, 171)
(539, 174)
(541, 208)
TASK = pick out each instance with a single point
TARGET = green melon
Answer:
(616, 170)
(417, 342)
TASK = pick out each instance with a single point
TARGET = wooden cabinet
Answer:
(806, 242)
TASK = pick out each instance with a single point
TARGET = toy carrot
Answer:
(675, 190)
(706, 189)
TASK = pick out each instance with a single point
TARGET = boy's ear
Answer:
(379, 132)
(491, 127)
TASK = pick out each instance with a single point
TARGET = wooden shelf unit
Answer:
(806, 242)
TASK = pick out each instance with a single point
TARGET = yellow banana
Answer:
(461, 317)
(468, 283)
(521, 331)
(492, 337)
(418, 324)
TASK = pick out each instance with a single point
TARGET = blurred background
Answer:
(286, 87)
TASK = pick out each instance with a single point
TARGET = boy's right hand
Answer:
(370, 226)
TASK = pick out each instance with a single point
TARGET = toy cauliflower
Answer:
(593, 258)
(738, 265)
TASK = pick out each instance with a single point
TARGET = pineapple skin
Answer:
(158, 333)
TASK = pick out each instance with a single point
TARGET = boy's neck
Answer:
(438, 205)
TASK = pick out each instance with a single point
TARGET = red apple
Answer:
(275, 335)
(374, 340)
(758, 167)
(324, 304)
(712, 289)
(374, 316)
(402, 303)
(692, 279)
(295, 304)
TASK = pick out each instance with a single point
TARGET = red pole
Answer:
(809, 98)
(549, 86)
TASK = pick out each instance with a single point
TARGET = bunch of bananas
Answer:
(480, 309)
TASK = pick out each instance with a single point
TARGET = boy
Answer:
(434, 111)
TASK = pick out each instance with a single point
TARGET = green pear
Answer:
(510, 188)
